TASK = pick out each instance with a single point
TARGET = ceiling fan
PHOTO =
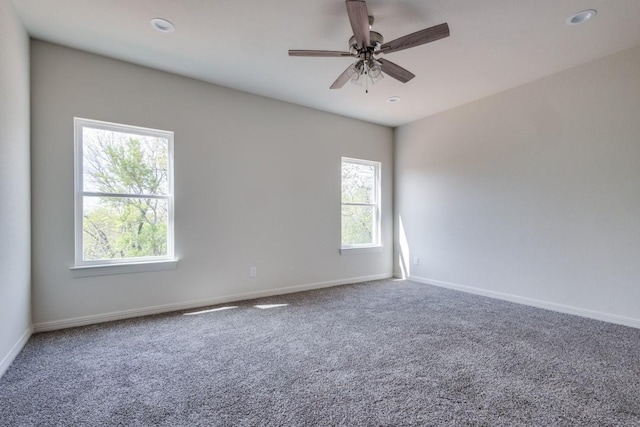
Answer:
(366, 44)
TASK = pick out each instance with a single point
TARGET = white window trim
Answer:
(354, 250)
(376, 246)
(132, 267)
(126, 265)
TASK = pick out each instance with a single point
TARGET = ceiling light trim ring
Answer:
(581, 17)
(163, 25)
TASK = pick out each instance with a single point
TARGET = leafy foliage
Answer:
(359, 199)
(132, 167)
(357, 225)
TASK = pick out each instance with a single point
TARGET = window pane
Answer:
(116, 227)
(357, 225)
(125, 163)
(358, 183)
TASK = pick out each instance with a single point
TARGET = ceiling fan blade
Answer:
(359, 19)
(318, 53)
(416, 39)
(342, 78)
(396, 71)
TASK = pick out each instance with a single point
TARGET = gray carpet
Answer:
(380, 353)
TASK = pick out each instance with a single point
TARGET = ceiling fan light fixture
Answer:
(163, 25)
(356, 80)
(375, 70)
(377, 78)
(356, 69)
(581, 17)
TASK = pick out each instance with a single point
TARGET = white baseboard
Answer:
(126, 314)
(15, 350)
(597, 315)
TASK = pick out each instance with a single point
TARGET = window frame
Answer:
(79, 194)
(377, 216)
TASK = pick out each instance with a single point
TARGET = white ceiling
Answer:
(494, 45)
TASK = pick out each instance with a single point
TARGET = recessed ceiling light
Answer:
(163, 25)
(580, 17)
(394, 99)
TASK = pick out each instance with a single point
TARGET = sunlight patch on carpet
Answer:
(267, 306)
(211, 310)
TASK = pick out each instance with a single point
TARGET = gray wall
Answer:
(257, 182)
(15, 238)
(532, 194)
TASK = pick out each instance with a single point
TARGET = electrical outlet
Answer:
(416, 261)
(253, 272)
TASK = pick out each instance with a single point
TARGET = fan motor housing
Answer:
(375, 37)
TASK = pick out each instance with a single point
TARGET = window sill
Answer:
(360, 250)
(134, 267)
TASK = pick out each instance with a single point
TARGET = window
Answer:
(123, 194)
(360, 203)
